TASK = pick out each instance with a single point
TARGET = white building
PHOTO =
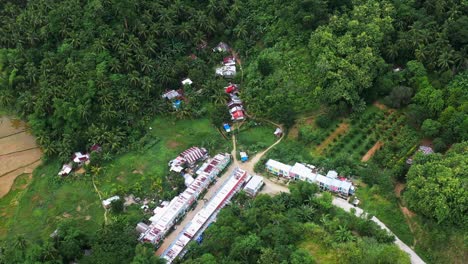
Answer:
(187, 82)
(278, 168)
(254, 185)
(303, 172)
(66, 169)
(226, 71)
(107, 203)
(206, 215)
(167, 214)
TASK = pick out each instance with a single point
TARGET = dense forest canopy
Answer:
(436, 185)
(85, 72)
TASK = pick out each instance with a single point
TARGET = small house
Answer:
(188, 157)
(188, 179)
(222, 47)
(172, 94)
(226, 71)
(244, 157)
(227, 127)
(229, 61)
(107, 203)
(278, 132)
(177, 164)
(187, 82)
(278, 168)
(80, 158)
(177, 104)
(254, 185)
(232, 88)
(96, 148)
(237, 114)
(66, 169)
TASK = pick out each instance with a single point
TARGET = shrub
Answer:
(323, 121)
(439, 145)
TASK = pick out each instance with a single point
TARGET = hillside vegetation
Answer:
(341, 76)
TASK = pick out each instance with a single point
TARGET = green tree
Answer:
(433, 187)
(430, 128)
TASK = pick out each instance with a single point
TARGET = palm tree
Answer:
(392, 51)
(307, 212)
(343, 235)
(219, 96)
(445, 59)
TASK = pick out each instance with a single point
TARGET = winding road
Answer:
(271, 188)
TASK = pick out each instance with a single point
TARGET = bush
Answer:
(439, 145)
(323, 121)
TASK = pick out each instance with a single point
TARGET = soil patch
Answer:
(309, 120)
(172, 144)
(398, 188)
(294, 132)
(80, 171)
(67, 215)
(342, 128)
(19, 152)
(7, 180)
(372, 151)
(380, 105)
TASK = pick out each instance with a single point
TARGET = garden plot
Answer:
(361, 141)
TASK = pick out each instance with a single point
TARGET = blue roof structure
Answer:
(244, 156)
(227, 127)
(177, 104)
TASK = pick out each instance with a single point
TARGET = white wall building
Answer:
(168, 213)
(254, 185)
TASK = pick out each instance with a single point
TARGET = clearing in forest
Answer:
(140, 172)
(372, 151)
(342, 128)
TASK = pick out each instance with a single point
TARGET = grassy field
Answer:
(386, 210)
(36, 211)
(255, 138)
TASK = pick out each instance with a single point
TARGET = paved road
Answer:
(415, 259)
(209, 194)
(272, 187)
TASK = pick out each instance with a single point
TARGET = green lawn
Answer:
(256, 138)
(36, 211)
(49, 200)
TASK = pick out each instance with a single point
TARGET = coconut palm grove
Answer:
(233, 131)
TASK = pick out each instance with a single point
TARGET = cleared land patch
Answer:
(19, 152)
(372, 151)
(342, 128)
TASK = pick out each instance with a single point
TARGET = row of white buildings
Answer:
(168, 213)
(309, 173)
(206, 215)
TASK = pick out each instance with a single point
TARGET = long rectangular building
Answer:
(166, 215)
(299, 171)
(207, 214)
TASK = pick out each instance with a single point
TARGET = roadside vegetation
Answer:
(386, 74)
(282, 228)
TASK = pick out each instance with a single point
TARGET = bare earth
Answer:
(340, 130)
(372, 151)
(19, 152)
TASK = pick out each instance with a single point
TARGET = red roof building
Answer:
(231, 89)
